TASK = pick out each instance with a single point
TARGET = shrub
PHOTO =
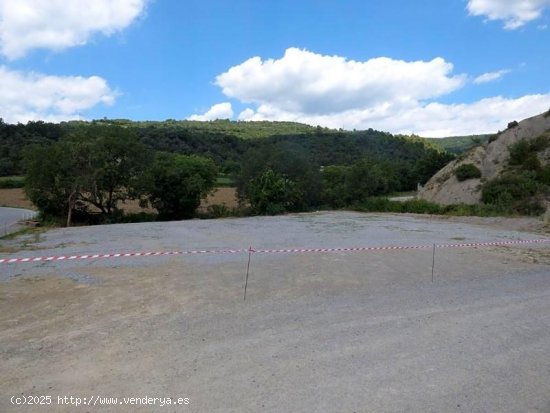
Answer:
(543, 175)
(512, 124)
(493, 138)
(467, 171)
(272, 193)
(519, 152)
(176, 184)
(520, 192)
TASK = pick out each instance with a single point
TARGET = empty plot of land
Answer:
(318, 332)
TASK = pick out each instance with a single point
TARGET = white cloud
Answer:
(490, 76)
(515, 13)
(218, 111)
(34, 96)
(307, 82)
(382, 93)
(59, 24)
(431, 120)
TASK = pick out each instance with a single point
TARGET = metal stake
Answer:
(433, 263)
(247, 271)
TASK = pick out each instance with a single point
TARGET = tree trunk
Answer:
(71, 205)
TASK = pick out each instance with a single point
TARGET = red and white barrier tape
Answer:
(116, 255)
(267, 251)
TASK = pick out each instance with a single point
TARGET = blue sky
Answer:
(428, 67)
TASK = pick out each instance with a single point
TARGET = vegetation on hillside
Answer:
(459, 144)
(87, 170)
(91, 168)
(525, 183)
(467, 171)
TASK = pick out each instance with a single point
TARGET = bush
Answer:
(519, 152)
(518, 192)
(467, 171)
(524, 153)
(513, 124)
(272, 193)
(176, 184)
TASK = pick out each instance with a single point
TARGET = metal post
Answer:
(247, 271)
(433, 263)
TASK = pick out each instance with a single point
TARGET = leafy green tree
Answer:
(117, 159)
(56, 177)
(366, 179)
(272, 193)
(335, 186)
(175, 184)
(286, 159)
(95, 169)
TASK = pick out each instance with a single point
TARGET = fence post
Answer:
(433, 263)
(250, 250)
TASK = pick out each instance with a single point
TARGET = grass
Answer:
(225, 181)
(7, 182)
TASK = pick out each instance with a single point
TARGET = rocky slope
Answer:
(491, 159)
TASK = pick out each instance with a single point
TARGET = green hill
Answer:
(459, 144)
(237, 129)
(226, 142)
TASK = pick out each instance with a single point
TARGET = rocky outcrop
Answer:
(445, 189)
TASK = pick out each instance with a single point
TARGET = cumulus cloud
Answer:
(59, 24)
(218, 111)
(490, 77)
(382, 93)
(34, 96)
(307, 82)
(430, 120)
(514, 13)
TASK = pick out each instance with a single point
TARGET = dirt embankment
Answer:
(444, 188)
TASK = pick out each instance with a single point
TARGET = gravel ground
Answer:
(334, 332)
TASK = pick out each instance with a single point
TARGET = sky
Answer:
(429, 67)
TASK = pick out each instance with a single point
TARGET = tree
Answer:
(56, 176)
(335, 191)
(284, 159)
(118, 159)
(98, 168)
(175, 184)
(272, 193)
(367, 178)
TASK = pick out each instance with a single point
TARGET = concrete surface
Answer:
(340, 332)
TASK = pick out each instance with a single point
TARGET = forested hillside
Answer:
(459, 144)
(81, 169)
(226, 142)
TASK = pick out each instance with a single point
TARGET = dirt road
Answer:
(334, 332)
